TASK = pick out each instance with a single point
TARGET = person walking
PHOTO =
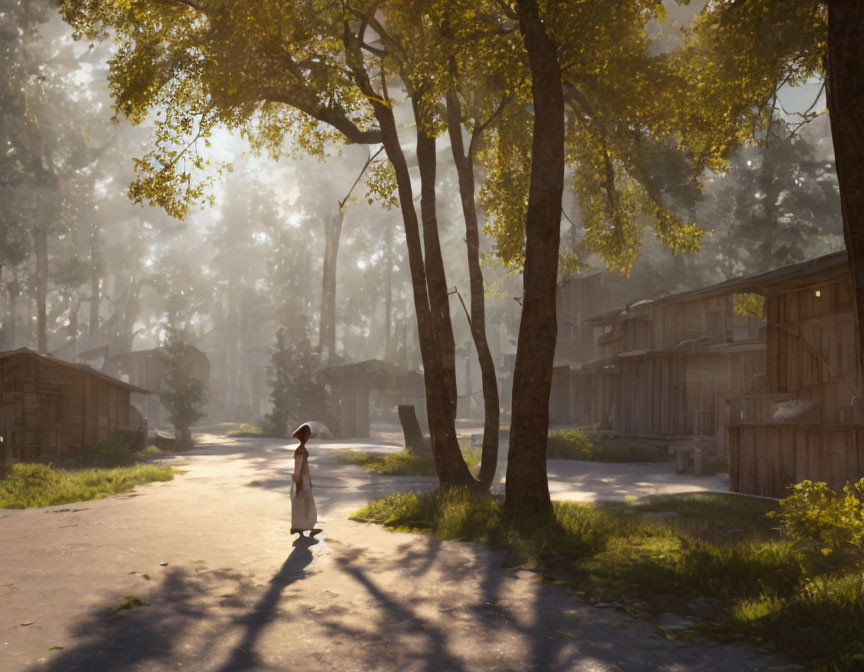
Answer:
(304, 515)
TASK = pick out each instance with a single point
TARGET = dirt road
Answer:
(213, 582)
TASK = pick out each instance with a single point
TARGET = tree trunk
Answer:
(439, 298)
(845, 88)
(449, 464)
(40, 246)
(491, 404)
(527, 488)
(327, 330)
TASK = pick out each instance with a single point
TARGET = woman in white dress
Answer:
(303, 512)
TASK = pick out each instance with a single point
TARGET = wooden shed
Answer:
(354, 384)
(808, 422)
(52, 409)
(145, 370)
(662, 369)
(580, 299)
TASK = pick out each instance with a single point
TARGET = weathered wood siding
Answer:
(50, 411)
(808, 424)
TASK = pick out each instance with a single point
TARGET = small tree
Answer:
(296, 394)
(182, 394)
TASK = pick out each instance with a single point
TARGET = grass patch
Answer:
(29, 485)
(574, 444)
(246, 430)
(150, 452)
(405, 463)
(716, 558)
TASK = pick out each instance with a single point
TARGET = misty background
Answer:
(113, 275)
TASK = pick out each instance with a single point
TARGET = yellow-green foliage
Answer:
(670, 550)
(820, 520)
(748, 305)
(574, 444)
(29, 485)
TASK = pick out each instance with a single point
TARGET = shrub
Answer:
(820, 521)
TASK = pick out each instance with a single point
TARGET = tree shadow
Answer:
(244, 657)
(148, 630)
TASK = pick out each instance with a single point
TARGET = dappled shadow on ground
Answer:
(244, 655)
(181, 620)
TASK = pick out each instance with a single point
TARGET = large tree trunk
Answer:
(527, 488)
(491, 405)
(436, 279)
(845, 86)
(40, 246)
(449, 464)
(327, 330)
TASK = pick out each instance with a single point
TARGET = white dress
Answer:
(304, 515)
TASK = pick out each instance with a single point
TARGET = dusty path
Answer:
(226, 590)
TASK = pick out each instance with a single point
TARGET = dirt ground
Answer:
(214, 582)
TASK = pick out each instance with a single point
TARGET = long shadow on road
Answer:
(244, 656)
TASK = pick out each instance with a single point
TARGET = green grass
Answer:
(150, 452)
(404, 463)
(245, 430)
(30, 485)
(715, 558)
(574, 444)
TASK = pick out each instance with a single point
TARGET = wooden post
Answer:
(411, 429)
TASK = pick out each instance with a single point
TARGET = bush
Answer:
(574, 444)
(822, 522)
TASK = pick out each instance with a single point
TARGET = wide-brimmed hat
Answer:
(297, 431)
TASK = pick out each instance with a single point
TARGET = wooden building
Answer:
(145, 369)
(661, 369)
(52, 409)
(385, 385)
(579, 301)
(808, 422)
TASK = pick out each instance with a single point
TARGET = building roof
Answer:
(787, 277)
(371, 367)
(80, 368)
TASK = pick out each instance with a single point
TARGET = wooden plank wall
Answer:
(766, 459)
(48, 411)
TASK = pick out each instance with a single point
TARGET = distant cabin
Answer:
(52, 409)
(145, 369)
(374, 381)
(808, 422)
(662, 370)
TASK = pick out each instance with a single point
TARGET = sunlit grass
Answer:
(667, 553)
(32, 485)
(245, 430)
(404, 463)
